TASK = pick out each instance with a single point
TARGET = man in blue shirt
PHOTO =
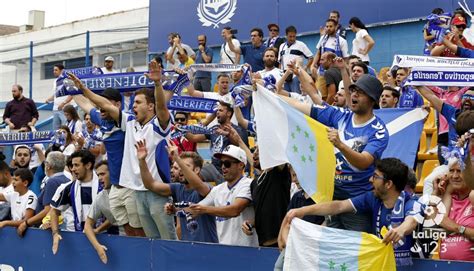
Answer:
(360, 138)
(191, 189)
(388, 206)
(202, 80)
(253, 53)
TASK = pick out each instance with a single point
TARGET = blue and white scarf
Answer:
(337, 50)
(76, 201)
(441, 76)
(193, 129)
(27, 138)
(243, 88)
(91, 139)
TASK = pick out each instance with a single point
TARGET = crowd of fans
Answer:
(118, 171)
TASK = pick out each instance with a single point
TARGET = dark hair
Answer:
(362, 65)
(4, 166)
(465, 122)
(149, 95)
(223, 75)
(228, 107)
(357, 23)
(330, 55)
(395, 93)
(229, 28)
(69, 162)
(411, 179)
(71, 111)
(273, 49)
(461, 12)
(86, 157)
(20, 88)
(259, 30)
(336, 12)
(332, 21)
(24, 174)
(437, 11)
(22, 147)
(59, 66)
(159, 60)
(395, 170)
(354, 57)
(291, 29)
(102, 163)
(69, 138)
(197, 160)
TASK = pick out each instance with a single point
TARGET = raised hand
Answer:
(339, 63)
(142, 152)
(77, 82)
(154, 71)
(172, 150)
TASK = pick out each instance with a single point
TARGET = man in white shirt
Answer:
(174, 39)
(108, 65)
(270, 58)
(230, 201)
(58, 102)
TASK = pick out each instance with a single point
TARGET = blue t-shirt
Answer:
(371, 137)
(299, 200)
(114, 141)
(46, 195)
(200, 60)
(450, 113)
(206, 231)
(464, 52)
(409, 98)
(253, 56)
(381, 216)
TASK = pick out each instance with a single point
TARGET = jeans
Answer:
(58, 119)
(293, 86)
(202, 84)
(280, 261)
(155, 222)
(351, 222)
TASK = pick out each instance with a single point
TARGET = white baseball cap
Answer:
(109, 58)
(234, 152)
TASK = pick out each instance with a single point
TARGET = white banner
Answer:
(441, 76)
(408, 61)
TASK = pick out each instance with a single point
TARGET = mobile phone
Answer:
(233, 31)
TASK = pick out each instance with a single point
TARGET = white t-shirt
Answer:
(6, 190)
(277, 73)
(331, 45)
(57, 100)
(105, 71)
(226, 52)
(188, 50)
(297, 51)
(19, 204)
(217, 96)
(302, 98)
(229, 229)
(360, 43)
(154, 135)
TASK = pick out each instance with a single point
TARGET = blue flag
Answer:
(404, 128)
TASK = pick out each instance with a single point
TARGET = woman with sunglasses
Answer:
(458, 24)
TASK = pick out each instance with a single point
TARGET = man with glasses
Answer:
(360, 138)
(274, 40)
(230, 201)
(389, 207)
(183, 144)
(253, 52)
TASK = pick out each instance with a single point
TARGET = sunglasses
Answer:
(460, 26)
(180, 119)
(228, 163)
(274, 30)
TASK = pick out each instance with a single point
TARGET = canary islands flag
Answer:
(313, 247)
(285, 135)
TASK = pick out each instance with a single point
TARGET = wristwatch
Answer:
(462, 229)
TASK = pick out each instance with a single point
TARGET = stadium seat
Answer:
(192, 122)
(430, 124)
(251, 142)
(427, 168)
(198, 115)
(424, 147)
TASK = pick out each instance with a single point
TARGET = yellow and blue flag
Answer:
(313, 247)
(285, 135)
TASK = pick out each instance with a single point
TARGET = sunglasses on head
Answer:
(228, 163)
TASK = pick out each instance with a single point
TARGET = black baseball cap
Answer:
(112, 94)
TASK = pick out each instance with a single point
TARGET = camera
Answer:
(234, 31)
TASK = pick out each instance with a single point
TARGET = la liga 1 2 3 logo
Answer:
(215, 12)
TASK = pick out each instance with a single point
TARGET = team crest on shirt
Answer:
(215, 12)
